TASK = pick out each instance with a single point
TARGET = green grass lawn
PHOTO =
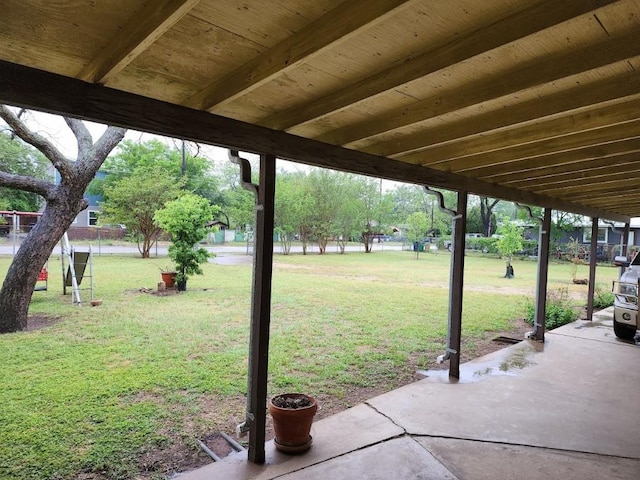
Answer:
(104, 389)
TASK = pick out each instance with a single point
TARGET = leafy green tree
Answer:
(235, 201)
(18, 158)
(291, 203)
(417, 225)
(346, 225)
(406, 200)
(487, 205)
(509, 243)
(185, 220)
(374, 209)
(134, 200)
(324, 188)
(131, 156)
(64, 200)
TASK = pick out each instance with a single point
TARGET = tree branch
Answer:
(100, 150)
(28, 184)
(45, 146)
(82, 134)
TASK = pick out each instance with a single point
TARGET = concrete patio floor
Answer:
(568, 409)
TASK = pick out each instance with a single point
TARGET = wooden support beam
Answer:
(602, 187)
(577, 98)
(500, 33)
(553, 173)
(585, 178)
(476, 161)
(541, 281)
(337, 26)
(497, 173)
(30, 88)
(456, 282)
(558, 130)
(153, 21)
(261, 309)
(592, 267)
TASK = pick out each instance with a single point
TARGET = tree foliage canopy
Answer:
(134, 199)
(185, 219)
(19, 158)
(132, 156)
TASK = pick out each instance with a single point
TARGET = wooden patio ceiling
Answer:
(527, 100)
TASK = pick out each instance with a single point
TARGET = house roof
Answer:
(526, 100)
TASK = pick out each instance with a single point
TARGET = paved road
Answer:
(220, 250)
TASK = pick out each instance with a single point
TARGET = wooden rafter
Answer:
(578, 98)
(544, 146)
(150, 24)
(495, 173)
(500, 33)
(623, 110)
(590, 169)
(336, 26)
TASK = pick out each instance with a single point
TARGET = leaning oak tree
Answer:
(64, 201)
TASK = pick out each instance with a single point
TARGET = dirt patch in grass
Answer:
(37, 322)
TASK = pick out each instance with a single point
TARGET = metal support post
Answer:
(256, 414)
(592, 267)
(543, 271)
(456, 281)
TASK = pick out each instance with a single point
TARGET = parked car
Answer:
(625, 307)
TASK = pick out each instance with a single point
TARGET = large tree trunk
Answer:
(64, 201)
(22, 276)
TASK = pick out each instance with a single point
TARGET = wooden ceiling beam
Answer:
(337, 26)
(521, 175)
(582, 96)
(610, 202)
(490, 37)
(155, 19)
(495, 173)
(613, 186)
(624, 110)
(541, 147)
(615, 200)
(30, 88)
(583, 179)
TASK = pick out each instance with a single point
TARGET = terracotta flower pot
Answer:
(292, 422)
(169, 279)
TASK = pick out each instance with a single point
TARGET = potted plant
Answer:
(168, 277)
(292, 415)
(185, 220)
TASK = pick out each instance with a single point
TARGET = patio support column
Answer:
(592, 266)
(624, 243)
(456, 280)
(261, 309)
(543, 271)
(264, 192)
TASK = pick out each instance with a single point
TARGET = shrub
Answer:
(602, 297)
(559, 310)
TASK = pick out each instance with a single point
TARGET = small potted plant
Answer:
(185, 220)
(168, 277)
(292, 415)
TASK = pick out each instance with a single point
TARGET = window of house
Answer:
(93, 218)
(602, 235)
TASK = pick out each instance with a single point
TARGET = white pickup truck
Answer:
(625, 307)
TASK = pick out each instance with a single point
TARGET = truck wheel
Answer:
(624, 331)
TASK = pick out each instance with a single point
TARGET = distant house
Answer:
(89, 216)
(609, 240)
